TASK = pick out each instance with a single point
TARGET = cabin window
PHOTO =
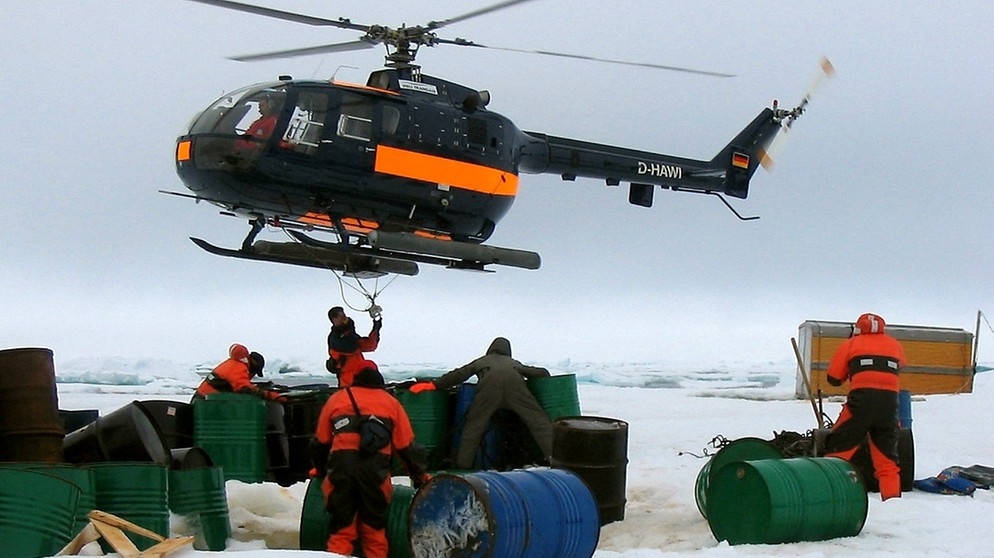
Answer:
(306, 127)
(356, 120)
(391, 119)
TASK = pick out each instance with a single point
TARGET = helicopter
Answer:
(408, 168)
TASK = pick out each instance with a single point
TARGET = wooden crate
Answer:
(939, 360)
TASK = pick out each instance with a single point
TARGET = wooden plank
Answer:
(122, 523)
(116, 538)
(166, 547)
(83, 538)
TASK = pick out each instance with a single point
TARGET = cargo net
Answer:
(794, 444)
(789, 443)
(712, 447)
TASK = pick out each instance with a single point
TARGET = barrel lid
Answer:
(591, 423)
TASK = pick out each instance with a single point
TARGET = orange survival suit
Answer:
(357, 485)
(871, 360)
(235, 375)
(346, 347)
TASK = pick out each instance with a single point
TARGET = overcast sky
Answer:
(881, 201)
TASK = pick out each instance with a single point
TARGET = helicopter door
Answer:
(306, 127)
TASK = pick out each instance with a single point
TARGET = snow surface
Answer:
(674, 411)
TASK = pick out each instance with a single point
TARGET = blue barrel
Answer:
(904, 408)
(36, 513)
(231, 427)
(533, 513)
(137, 492)
(199, 495)
(773, 501)
(488, 454)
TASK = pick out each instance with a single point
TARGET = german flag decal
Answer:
(740, 160)
(458, 174)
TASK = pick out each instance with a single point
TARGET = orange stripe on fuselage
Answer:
(430, 168)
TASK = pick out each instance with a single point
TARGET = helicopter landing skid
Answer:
(447, 253)
(360, 266)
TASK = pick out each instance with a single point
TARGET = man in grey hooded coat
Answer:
(500, 385)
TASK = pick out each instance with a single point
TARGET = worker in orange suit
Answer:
(871, 361)
(235, 374)
(346, 347)
(357, 484)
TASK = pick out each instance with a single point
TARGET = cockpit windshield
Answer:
(243, 111)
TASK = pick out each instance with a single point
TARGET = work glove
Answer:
(375, 312)
(276, 396)
(417, 481)
(422, 386)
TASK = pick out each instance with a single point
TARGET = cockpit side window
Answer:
(306, 127)
(356, 119)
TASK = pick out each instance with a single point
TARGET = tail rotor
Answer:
(787, 117)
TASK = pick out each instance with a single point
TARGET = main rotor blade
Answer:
(286, 16)
(323, 49)
(485, 10)
(464, 42)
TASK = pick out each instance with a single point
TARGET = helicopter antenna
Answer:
(339, 68)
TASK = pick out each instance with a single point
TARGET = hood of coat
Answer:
(500, 346)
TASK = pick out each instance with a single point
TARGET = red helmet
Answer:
(869, 323)
(238, 352)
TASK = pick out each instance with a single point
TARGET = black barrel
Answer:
(74, 419)
(906, 460)
(174, 419)
(301, 412)
(863, 463)
(184, 459)
(127, 434)
(596, 450)
(30, 429)
(277, 445)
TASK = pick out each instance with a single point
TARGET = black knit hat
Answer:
(369, 376)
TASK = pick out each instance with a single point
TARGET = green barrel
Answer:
(743, 449)
(430, 414)
(137, 492)
(37, 511)
(199, 495)
(556, 394)
(314, 519)
(231, 427)
(80, 476)
(773, 501)
(397, 527)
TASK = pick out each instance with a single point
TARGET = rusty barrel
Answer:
(30, 428)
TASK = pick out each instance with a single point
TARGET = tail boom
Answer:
(728, 172)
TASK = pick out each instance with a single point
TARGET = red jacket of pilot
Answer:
(870, 359)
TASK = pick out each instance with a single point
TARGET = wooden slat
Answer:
(83, 538)
(122, 523)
